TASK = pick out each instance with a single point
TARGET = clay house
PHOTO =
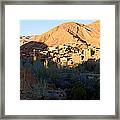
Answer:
(63, 61)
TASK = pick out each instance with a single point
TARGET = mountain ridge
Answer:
(70, 33)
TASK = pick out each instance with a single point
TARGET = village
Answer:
(66, 55)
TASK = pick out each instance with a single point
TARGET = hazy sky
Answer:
(37, 27)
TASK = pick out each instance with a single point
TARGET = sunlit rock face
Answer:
(72, 33)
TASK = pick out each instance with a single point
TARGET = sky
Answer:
(37, 27)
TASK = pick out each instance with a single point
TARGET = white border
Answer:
(15, 106)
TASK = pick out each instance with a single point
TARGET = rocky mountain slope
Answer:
(71, 33)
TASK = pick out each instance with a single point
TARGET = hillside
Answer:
(71, 33)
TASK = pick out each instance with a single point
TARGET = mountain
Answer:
(72, 33)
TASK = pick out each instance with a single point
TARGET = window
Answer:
(82, 57)
(82, 51)
(92, 52)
